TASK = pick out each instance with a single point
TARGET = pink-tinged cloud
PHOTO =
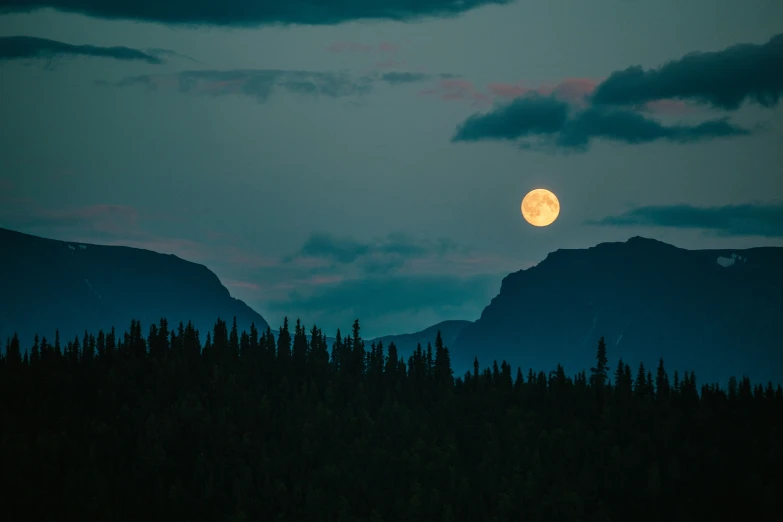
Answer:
(505, 90)
(386, 47)
(573, 90)
(451, 89)
(355, 47)
(576, 91)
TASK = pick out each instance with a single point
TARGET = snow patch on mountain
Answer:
(728, 261)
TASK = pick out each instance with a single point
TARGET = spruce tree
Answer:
(35, 354)
(640, 384)
(284, 344)
(233, 342)
(662, 382)
(598, 373)
(300, 345)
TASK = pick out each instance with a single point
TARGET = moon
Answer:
(540, 207)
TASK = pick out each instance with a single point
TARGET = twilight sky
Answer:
(344, 158)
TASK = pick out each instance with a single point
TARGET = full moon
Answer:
(540, 207)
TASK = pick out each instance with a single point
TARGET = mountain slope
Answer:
(406, 343)
(48, 284)
(717, 312)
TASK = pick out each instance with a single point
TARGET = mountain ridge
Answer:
(406, 343)
(72, 286)
(631, 292)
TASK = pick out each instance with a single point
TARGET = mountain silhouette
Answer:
(406, 343)
(717, 312)
(49, 285)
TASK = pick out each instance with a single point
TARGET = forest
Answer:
(140, 427)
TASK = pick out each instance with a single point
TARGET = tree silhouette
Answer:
(253, 428)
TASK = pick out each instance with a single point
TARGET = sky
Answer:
(346, 159)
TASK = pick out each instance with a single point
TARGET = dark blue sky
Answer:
(368, 158)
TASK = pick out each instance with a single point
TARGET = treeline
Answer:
(248, 427)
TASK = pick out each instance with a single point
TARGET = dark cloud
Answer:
(26, 47)
(168, 52)
(723, 79)
(383, 266)
(525, 116)
(404, 77)
(400, 294)
(246, 13)
(260, 83)
(345, 47)
(403, 245)
(255, 83)
(560, 124)
(730, 220)
(634, 128)
(342, 250)
(381, 256)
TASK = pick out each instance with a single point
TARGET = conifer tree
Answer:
(300, 345)
(357, 351)
(640, 384)
(662, 382)
(13, 352)
(253, 345)
(284, 344)
(35, 354)
(233, 342)
(392, 363)
(46, 351)
(619, 373)
(88, 350)
(337, 352)
(443, 371)
(73, 351)
(244, 345)
(505, 376)
(101, 346)
(57, 348)
(598, 373)
(519, 382)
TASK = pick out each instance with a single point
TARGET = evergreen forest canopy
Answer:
(246, 427)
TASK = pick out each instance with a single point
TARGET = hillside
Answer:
(406, 343)
(49, 284)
